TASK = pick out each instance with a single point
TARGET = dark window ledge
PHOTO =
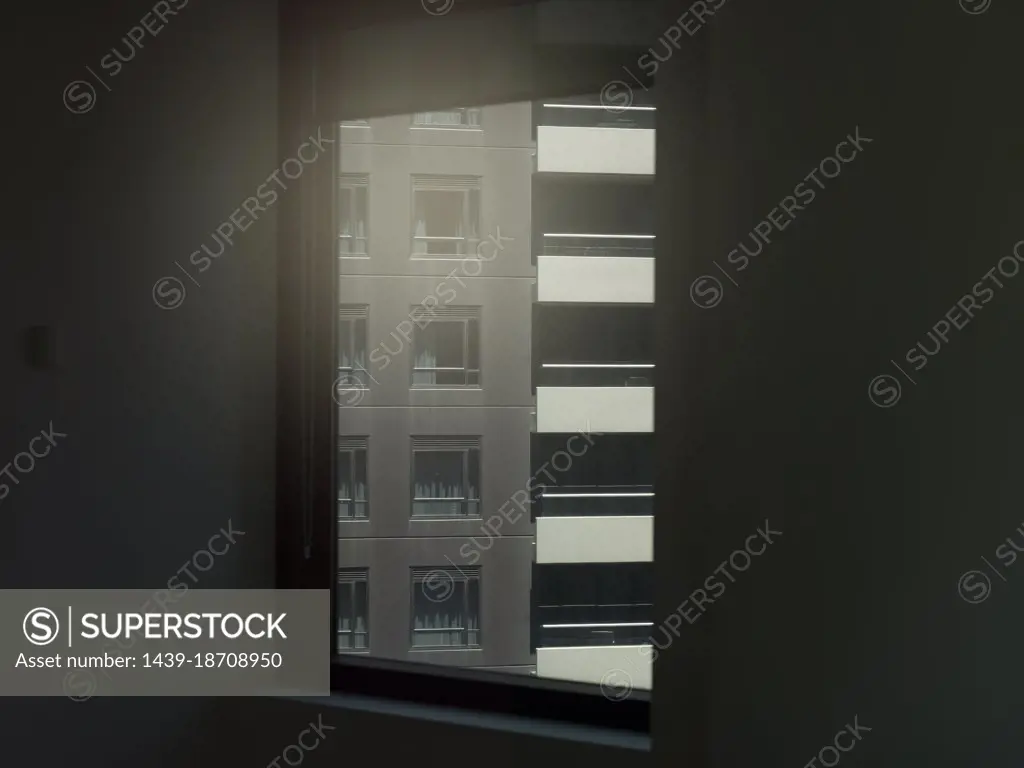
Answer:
(498, 697)
(527, 726)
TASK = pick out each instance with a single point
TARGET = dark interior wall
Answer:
(169, 414)
(854, 610)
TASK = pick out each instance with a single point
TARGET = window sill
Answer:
(442, 257)
(527, 726)
(446, 387)
(478, 692)
(470, 128)
(424, 519)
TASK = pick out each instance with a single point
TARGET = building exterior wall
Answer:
(389, 544)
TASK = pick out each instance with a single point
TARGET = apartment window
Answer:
(446, 216)
(447, 349)
(614, 476)
(353, 493)
(352, 371)
(582, 604)
(446, 608)
(445, 477)
(353, 630)
(460, 117)
(353, 222)
(439, 477)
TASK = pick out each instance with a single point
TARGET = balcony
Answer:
(596, 375)
(602, 539)
(596, 269)
(590, 619)
(594, 625)
(592, 138)
(594, 500)
(593, 345)
(610, 246)
(595, 409)
(601, 665)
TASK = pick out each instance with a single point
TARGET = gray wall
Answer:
(882, 512)
(169, 414)
(390, 152)
(505, 314)
(855, 609)
(389, 544)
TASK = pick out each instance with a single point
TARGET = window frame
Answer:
(452, 183)
(464, 501)
(355, 183)
(466, 370)
(307, 416)
(464, 576)
(351, 373)
(365, 448)
(354, 577)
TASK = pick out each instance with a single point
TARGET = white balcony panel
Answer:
(595, 409)
(595, 279)
(572, 149)
(604, 539)
(613, 667)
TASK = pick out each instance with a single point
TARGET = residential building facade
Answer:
(496, 288)
(593, 370)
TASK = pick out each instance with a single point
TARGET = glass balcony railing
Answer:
(595, 500)
(599, 245)
(594, 625)
(595, 635)
(595, 375)
(591, 113)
